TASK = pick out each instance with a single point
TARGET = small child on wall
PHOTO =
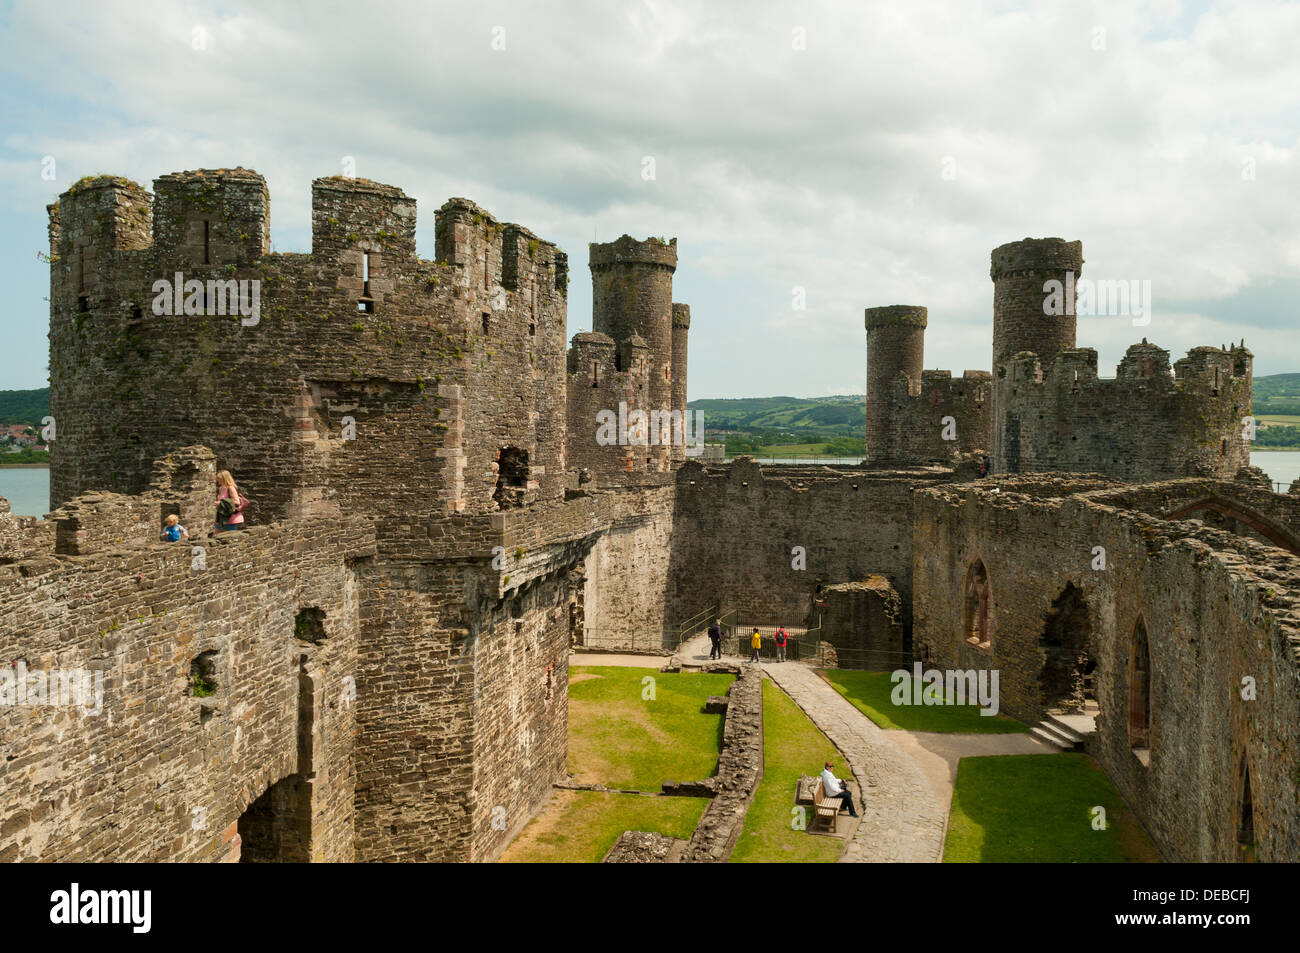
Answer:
(173, 530)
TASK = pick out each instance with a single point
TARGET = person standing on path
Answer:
(756, 643)
(715, 639)
(781, 638)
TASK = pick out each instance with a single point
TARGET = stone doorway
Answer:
(276, 828)
(1066, 682)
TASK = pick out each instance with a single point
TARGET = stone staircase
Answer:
(1068, 731)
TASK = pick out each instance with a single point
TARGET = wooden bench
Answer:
(825, 809)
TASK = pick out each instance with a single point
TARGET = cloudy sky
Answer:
(867, 153)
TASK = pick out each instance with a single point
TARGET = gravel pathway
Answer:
(903, 821)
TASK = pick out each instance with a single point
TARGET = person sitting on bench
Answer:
(832, 787)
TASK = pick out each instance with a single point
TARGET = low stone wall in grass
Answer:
(644, 847)
(740, 768)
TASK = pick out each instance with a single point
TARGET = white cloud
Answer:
(776, 167)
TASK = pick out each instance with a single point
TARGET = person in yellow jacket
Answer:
(756, 642)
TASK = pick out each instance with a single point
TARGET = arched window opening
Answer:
(977, 607)
(1139, 690)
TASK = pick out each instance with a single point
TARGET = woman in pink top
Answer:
(226, 489)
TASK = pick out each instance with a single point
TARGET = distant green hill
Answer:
(772, 420)
(810, 416)
(813, 416)
(24, 406)
(1277, 394)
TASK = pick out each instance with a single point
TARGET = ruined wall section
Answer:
(22, 536)
(462, 618)
(521, 706)
(863, 620)
(1216, 608)
(159, 774)
(1145, 424)
(1238, 507)
(736, 526)
(937, 421)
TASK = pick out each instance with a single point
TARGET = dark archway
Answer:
(277, 827)
(977, 606)
(1065, 681)
(1139, 688)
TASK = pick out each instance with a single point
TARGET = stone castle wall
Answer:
(626, 602)
(1145, 424)
(915, 416)
(453, 363)
(736, 526)
(1216, 608)
(160, 774)
(433, 517)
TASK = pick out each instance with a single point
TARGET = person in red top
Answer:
(227, 490)
(781, 638)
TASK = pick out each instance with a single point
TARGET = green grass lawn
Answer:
(579, 827)
(870, 693)
(1286, 420)
(792, 746)
(1034, 808)
(622, 740)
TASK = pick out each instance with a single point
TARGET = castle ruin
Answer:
(376, 669)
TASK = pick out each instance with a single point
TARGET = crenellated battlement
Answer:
(918, 416)
(1148, 422)
(627, 250)
(273, 355)
(609, 380)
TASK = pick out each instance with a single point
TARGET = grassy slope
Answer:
(792, 746)
(870, 693)
(1034, 808)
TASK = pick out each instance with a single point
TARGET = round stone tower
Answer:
(895, 345)
(632, 294)
(681, 331)
(1026, 315)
